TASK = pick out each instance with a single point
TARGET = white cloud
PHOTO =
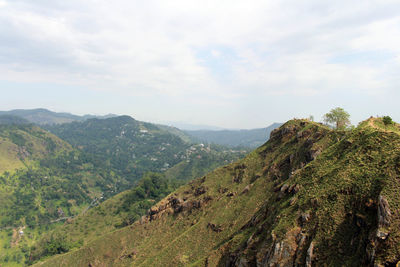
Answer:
(259, 48)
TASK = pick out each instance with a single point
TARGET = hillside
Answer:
(43, 116)
(49, 181)
(309, 196)
(128, 206)
(133, 147)
(21, 144)
(234, 138)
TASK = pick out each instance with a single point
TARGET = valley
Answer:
(58, 174)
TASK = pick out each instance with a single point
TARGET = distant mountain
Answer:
(235, 138)
(310, 196)
(43, 116)
(194, 127)
(10, 119)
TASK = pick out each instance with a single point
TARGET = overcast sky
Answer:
(234, 64)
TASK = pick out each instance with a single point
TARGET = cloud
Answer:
(219, 50)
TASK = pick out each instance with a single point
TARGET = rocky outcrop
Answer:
(175, 205)
(379, 237)
(309, 257)
(282, 253)
(215, 227)
(384, 213)
(238, 173)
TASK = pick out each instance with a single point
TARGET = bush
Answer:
(387, 120)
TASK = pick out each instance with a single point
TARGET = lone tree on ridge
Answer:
(339, 117)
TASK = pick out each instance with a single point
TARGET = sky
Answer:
(232, 64)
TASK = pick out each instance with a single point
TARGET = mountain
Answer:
(234, 138)
(49, 180)
(133, 147)
(310, 196)
(10, 119)
(193, 127)
(43, 116)
(22, 145)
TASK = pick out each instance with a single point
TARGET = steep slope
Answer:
(43, 116)
(234, 138)
(126, 207)
(22, 144)
(310, 196)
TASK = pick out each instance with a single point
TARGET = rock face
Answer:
(384, 213)
(282, 253)
(378, 239)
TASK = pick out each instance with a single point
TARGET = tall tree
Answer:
(339, 117)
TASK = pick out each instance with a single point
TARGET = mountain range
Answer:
(121, 192)
(310, 196)
(52, 173)
(43, 116)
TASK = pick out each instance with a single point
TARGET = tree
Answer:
(387, 120)
(339, 117)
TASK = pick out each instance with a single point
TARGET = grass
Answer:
(335, 206)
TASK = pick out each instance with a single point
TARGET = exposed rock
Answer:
(191, 204)
(284, 188)
(200, 190)
(238, 173)
(384, 213)
(304, 217)
(301, 242)
(231, 194)
(291, 188)
(296, 189)
(222, 190)
(153, 210)
(293, 201)
(214, 227)
(309, 257)
(284, 131)
(381, 235)
(312, 154)
(281, 253)
(246, 189)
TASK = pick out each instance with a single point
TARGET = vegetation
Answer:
(48, 182)
(10, 119)
(387, 120)
(310, 196)
(339, 117)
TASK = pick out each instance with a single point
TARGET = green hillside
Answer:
(49, 182)
(311, 196)
(23, 144)
(132, 147)
(127, 207)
